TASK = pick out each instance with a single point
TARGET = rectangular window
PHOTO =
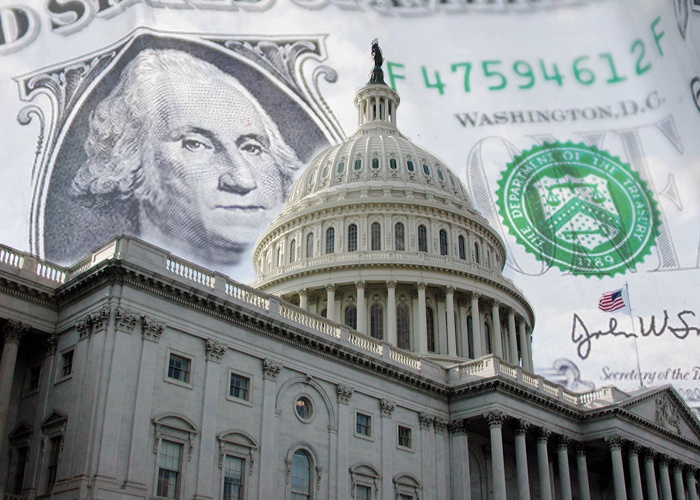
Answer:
(67, 363)
(168, 469)
(20, 468)
(363, 492)
(52, 463)
(405, 440)
(233, 477)
(179, 368)
(363, 424)
(240, 387)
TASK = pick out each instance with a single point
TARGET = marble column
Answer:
(391, 312)
(530, 364)
(584, 491)
(330, 302)
(267, 485)
(522, 333)
(615, 444)
(543, 464)
(512, 338)
(635, 475)
(690, 473)
(650, 475)
(563, 459)
(461, 486)
(678, 487)
(664, 478)
(361, 307)
(521, 459)
(495, 420)
(388, 443)
(304, 298)
(13, 332)
(496, 321)
(422, 320)
(451, 333)
(476, 327)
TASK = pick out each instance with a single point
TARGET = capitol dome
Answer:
(380, 235)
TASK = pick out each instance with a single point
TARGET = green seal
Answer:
(578, 208)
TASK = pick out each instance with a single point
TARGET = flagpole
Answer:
(636, 349)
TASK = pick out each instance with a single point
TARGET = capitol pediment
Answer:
(665, 408)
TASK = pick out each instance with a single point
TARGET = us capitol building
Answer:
(380, 355)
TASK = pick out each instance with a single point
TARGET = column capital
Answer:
(664, 460)
(344, 393)
(386, 407)
(391, 284)
(303, 292)
(521, 426)
(580, 449)
(563, 442)
(271, 369)
(690, 470)
(440, 424)
(14, 331)
(649, 454)
(543, 434)
(614, 442)
(215, 350)
(634, 447)
(496, 303)
(459, 426)
(426, 421)
(150, 329)
(677, 465)
(475, 295)
(124, 320)
(449, 290)
(495, 418)
(421, 285)
(330, 288)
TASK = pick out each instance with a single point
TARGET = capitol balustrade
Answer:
(138, 252)
(492, 366)
(422, 259)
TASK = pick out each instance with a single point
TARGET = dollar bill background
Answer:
(481, 83)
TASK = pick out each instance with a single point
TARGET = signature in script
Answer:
(583, 337)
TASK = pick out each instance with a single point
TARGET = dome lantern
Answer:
(376, 102)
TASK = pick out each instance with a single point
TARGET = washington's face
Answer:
(211, 158)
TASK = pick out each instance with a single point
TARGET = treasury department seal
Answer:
(578, 208)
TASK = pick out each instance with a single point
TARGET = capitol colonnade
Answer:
(431, 320)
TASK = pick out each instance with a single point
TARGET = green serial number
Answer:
(495, 74)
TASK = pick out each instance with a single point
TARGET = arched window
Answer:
(376, 236)
(351, 317)
(309, 245)
(301, 476)
(330, 240)
(280, 256)
(399, 237)
(476, 252)
(430, 329)
(403, 327)
(293, 251)
(443, 242)
(352, 238)
(422, 238)
(376, 321)
(462, 248)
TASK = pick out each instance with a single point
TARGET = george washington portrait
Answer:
(179, 152)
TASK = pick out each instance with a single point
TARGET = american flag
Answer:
(612, 301)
